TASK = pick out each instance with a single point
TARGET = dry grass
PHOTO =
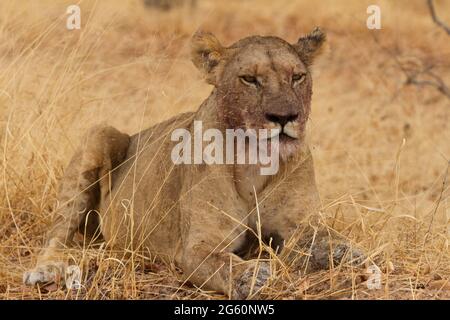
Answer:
(381, 149)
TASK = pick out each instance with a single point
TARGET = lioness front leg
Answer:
(85, 179)
(215, 223)
(297, 221)
(322, 247)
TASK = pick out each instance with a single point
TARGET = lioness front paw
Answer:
(342, 253)
(250, 282)
(44, 273)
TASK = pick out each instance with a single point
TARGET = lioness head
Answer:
(261, 82)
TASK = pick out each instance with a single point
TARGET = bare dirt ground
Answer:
(381, 147)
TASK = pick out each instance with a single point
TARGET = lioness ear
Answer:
(206, 54)
(310, 46)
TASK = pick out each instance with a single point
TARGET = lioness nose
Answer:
(281, 118)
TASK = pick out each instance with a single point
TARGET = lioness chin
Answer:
(200, 216)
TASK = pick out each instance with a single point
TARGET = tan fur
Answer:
(197, 215)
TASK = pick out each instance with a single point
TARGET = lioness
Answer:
(200, 216)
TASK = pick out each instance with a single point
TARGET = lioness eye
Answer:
(249, 80)
(298, 78)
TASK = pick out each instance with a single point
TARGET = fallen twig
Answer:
(435, 18)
